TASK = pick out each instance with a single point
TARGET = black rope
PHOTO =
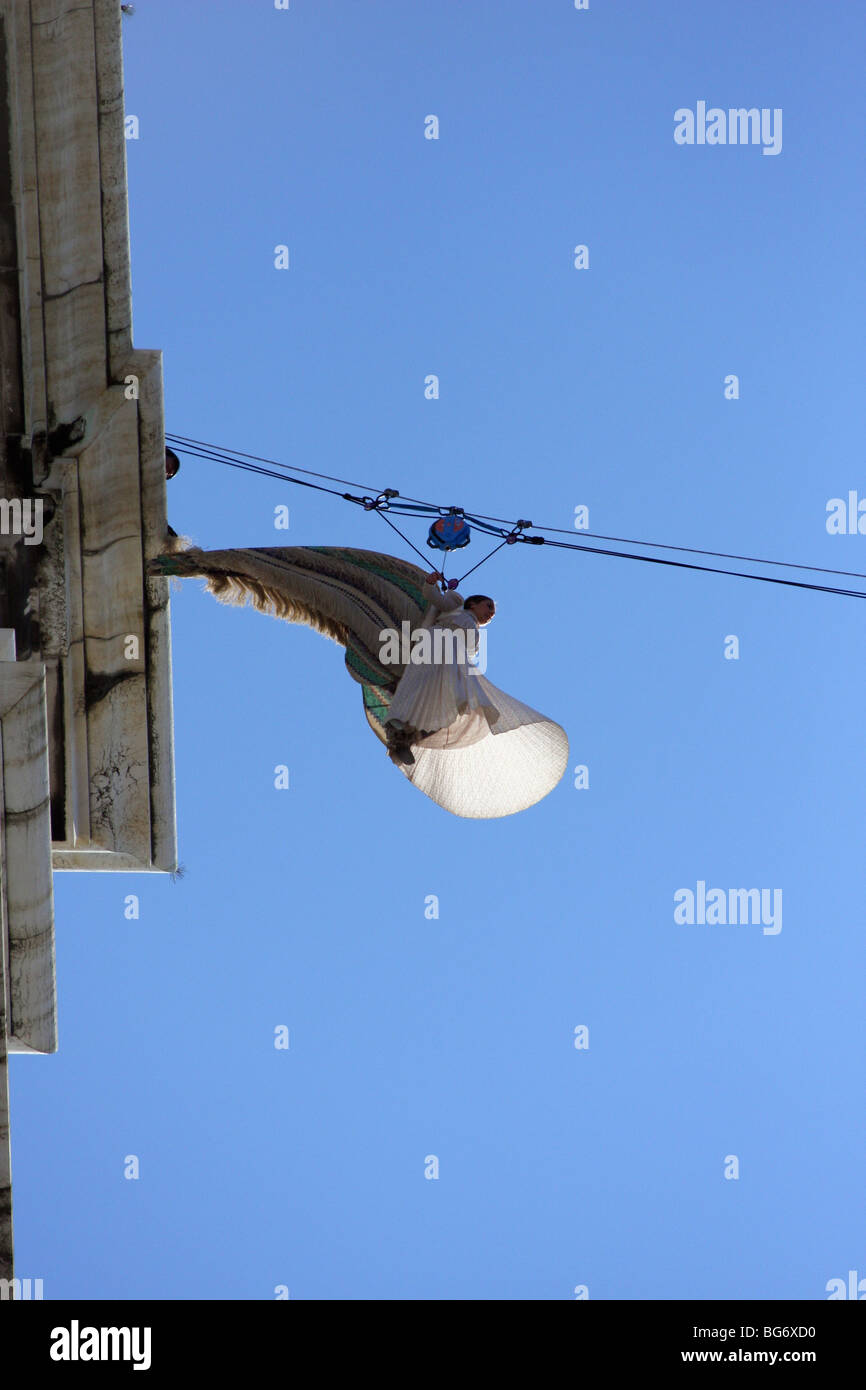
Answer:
(481, 562)
(707, 569)
(253, 463)
(686, 549)
(399, 533)
(479, 519)
(238, 453)
(254, 468)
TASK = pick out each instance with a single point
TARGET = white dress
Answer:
(478, 752)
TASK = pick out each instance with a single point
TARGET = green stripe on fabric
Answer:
(367, 673)
(398, 580)
(376, 702)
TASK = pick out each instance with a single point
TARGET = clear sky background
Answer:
(454, 1037)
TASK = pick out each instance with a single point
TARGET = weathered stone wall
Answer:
(92, 440)
(86, 756)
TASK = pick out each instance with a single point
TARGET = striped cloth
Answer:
(353, 597)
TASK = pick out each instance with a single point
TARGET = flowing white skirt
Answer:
(493, 757)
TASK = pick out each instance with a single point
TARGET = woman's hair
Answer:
(476, 598)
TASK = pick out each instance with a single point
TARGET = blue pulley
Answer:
(449, 533)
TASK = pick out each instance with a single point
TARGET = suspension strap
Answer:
(399, 532)
(511, 539)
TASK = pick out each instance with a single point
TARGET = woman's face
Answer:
(483, 611)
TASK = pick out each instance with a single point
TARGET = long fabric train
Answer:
(471, 769)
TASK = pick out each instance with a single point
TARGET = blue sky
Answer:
(454, 1037)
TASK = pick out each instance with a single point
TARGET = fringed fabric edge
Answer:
(239, 590)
